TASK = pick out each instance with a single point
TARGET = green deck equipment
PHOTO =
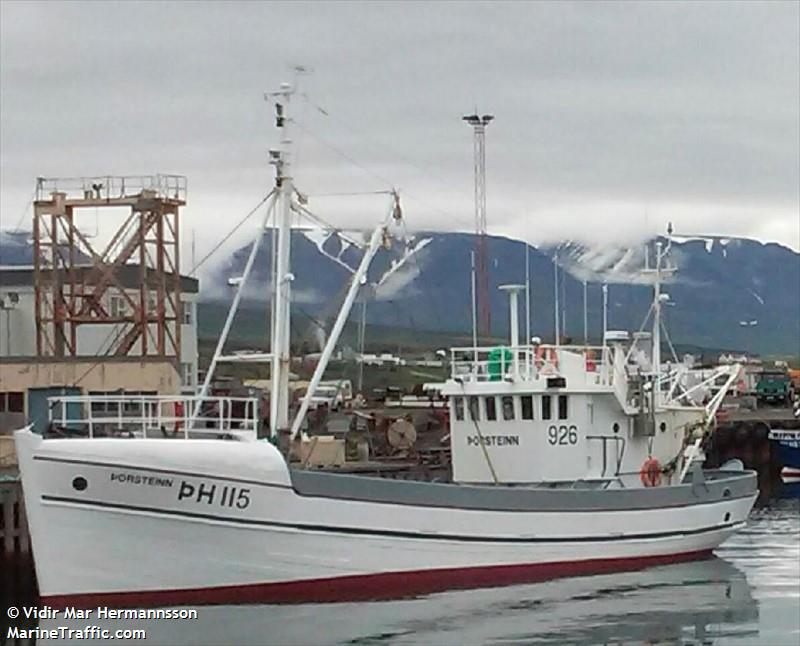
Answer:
(499, 361)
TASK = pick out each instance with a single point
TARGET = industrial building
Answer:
(18, 320)
(85, 321)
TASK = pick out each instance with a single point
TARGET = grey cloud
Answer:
(612, 118)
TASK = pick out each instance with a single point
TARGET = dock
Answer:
(14, 539)
(744, 435)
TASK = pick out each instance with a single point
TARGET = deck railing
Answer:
(525, 363)
(110, 187)
(155, 416)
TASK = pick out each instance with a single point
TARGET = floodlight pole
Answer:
(479, 124)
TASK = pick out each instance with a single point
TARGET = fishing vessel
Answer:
(565, 461)
(788, 443)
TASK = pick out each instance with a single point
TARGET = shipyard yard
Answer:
(452, 323)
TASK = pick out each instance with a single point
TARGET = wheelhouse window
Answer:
(546, 404)
(563, 407)
(474, 409)
(508, 408)
(491, 409)
(458, 408)
(526, 402)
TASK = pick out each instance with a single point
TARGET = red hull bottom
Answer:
(368, 587)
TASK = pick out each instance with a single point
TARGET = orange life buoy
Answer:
(650, 473)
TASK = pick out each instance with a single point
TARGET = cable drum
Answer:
(401, 435)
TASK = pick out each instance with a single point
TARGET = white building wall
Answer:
(18, 324)
(18, 332)
(190, 357)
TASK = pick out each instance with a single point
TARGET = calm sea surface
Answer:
(748, 594)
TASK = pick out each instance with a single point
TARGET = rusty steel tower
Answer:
(479, 124)
(131, 287)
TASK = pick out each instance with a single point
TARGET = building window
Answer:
(103, 406)
(187, 374)
(546, 414)
(563, 411)
(186, 312)
(491, 409)
(134, 407)
(527, 406)
(458, 405)
(13, 402)
(118, 306)
(508, 408)
(474, 413)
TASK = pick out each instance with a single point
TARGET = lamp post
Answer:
(479, 124)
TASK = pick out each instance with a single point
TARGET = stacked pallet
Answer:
(13, 524)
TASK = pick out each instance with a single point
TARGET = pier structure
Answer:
(77, 285)
(744, 435)
(13, 523)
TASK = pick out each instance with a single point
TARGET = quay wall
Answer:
(746, 437)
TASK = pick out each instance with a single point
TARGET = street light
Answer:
(475, 120)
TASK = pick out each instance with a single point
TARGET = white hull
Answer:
(166, 522)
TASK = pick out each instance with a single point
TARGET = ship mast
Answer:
(659, 271)
(281, 298)
(657, 320)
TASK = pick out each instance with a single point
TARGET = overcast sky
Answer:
(611, 119)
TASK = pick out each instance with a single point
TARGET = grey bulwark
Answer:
(716, 486)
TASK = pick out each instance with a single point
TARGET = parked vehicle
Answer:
(774, 386)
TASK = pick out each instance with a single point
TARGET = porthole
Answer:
(79, 483)
(726, 493)
(616, 427)
(727, 516)
(663, 427)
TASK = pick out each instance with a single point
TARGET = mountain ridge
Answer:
(723, 284)
(729, 292)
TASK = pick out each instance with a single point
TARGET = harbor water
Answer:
(749, 593)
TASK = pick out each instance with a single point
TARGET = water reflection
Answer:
(18, 589)
(790, 488)
(698, 602)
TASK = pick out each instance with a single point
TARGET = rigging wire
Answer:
(343, 154)
(25, 210)
(198, 265)
(379, 146)
(378, 176)
(433, 304)
(350, 194)
(231, 232)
